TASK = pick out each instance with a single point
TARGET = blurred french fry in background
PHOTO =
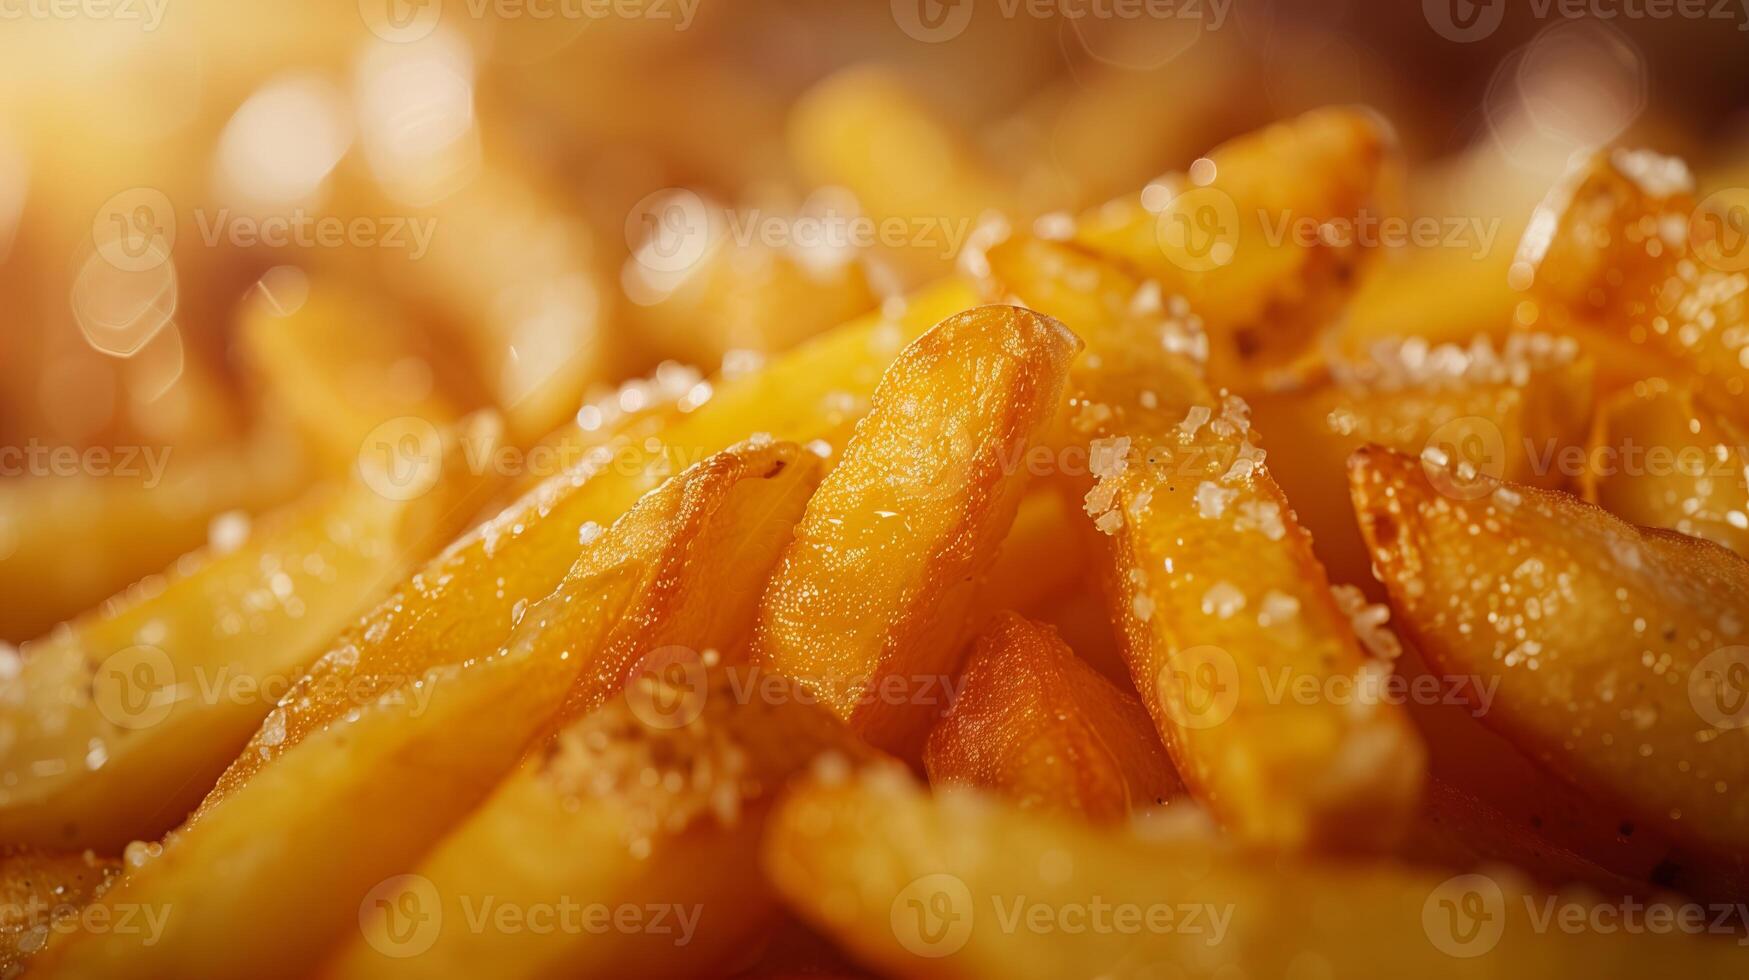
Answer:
(39, 892)
(1033, 723)
(1621, 249)
(1658, 458)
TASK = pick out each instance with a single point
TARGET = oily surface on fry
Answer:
(871, 603)
(1588, 623)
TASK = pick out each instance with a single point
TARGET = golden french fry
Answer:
(1590, 624)
(339, 362)
(1660, 458)
(873, 602)
(69, 542)
(43, 892)
(120, 722)
(1223, 610)
(1263, 237)
(1620, 248)
(966, 886)
(465, 597)
(654, 804)
(1516, 409)
(1035, 724)
(373, 790)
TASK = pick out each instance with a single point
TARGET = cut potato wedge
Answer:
(643, 824)
(1234, 639)
(1035, 724)
(1515, 409)
(1620, 248)
(1044, 558)
(404, 767)
(121, 721)
(1618, 651)
(43, 892)
(466, 598)
(1263, 236)
(873, 602)
(1659, 458)
(967, 886)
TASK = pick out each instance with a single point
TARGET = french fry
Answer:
(372, 791)
(465, 597)
(1589, 624)
(1044, 557)
(1659, 458)
(1033, 723)
(42, 892)
(339, 362)
(966, 886)
(1264, 237)
(1620, 249)
(69, 542)
(585, 823)
(1509, 409)
(121, 721)
(873, 602)
(1221, 605)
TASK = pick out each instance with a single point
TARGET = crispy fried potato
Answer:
(1222, 607)
(966, 886)
(1263, 237)
(339, 362)
(69, 542)
(1659, 458)
(465, 597)
(1615, 648)
(1034, 723)
(373, 790)
(873, 602)
(119, 723)
(1620, 248)
(42, 892)
(586, 824)
(1510, 410)
(1474, 299)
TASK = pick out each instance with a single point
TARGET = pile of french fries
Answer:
(1140, 595)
